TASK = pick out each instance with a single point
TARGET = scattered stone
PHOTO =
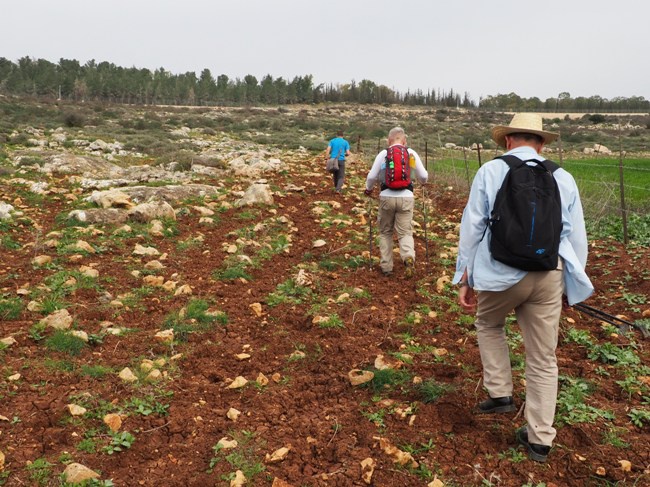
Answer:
(34, 306)
(297, 355)
(80, 334)
(239, 480)
(59, 320)
(154, 375)
(8, 342)
(400, 457)
(82, 246)
(41, 260)
(600, 471)
(76, 410)
(14, 378)
(256, 194)
(232, 249)
(141, 250)
(169, 286)
(233, 414)
(343, 298)
(227, 444)
(165, 336)
(278, 455)
(440, 352)
(440, 283)
(238, 383)
(113, 421)
(358, 377)
(262, 380)
(112, 198)
(185, 289)
(2, 461)
(367, 469)
(154, 265)
(626, 466)
(317, 320)
(156, 281)
(277, 482)
(257, 309)
(153, 210)
(76, 473)
(127, 375)
(276, 377)
(89, 271)
(242, 356)
(436, 483)
(319, 243)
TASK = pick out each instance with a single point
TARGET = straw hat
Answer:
(529, 123)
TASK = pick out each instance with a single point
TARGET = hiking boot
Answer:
(497, 405)
(387, 273)
(536, 452)
(409, 264)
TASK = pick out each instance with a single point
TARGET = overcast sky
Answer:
(532, 48)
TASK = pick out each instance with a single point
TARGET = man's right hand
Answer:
(467, 299)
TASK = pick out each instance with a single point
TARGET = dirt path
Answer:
(308, 404)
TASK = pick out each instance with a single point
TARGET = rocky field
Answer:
(217, 317)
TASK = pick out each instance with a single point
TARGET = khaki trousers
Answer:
(395, 214)
(537, 301)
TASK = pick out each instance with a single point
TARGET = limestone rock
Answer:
(59, 320)
(108, 216)
(154, 375)
(185, 289)
(256, 194)
(227, 444)
(89, 271)
(76, 410)
(40, 260)
(262, 380)
(367, 469)
(127, 375)
(141, 250)
(82, 246)
(146, 212)
(80, 334)
(5, 211)
(76, 473)
(238, 383)
(278, 455)
(113, 198)
(8, 342)
(358, 377)
(239, 480)
(233, 414)
(113, 421)
(165, 336)
(319, 243)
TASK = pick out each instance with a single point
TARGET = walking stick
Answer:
(370, 233)
(426, 237)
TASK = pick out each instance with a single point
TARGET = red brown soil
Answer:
(314, 408)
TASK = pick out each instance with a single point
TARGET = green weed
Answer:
(430, 390)
(64, 342)
(40, 471)
(10, 308)
(120, 441)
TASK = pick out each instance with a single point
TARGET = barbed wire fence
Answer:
(602, 194)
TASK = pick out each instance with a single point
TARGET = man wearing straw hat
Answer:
(535, 296)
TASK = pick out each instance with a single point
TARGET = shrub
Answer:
(74, 119)
(596, 118)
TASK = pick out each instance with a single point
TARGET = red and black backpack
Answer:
(398, 168)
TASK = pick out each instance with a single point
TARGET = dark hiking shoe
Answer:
(410, 267)
(536, 452)
(497, 405)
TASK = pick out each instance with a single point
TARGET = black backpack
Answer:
(526, 220)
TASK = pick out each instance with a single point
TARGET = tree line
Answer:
(70, 80)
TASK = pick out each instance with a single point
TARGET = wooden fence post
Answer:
(466, 167)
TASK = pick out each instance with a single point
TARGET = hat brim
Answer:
(500, 131)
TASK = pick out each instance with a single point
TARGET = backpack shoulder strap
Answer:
(512, 161)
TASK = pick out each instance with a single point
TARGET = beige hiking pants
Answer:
(537, 301)
(395, 214)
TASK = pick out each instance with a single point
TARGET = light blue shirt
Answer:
(338, 148)
(486, 274)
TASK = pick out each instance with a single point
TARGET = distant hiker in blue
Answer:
(338, 148)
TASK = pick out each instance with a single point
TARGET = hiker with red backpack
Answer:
(393, 169)
(522, 246)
